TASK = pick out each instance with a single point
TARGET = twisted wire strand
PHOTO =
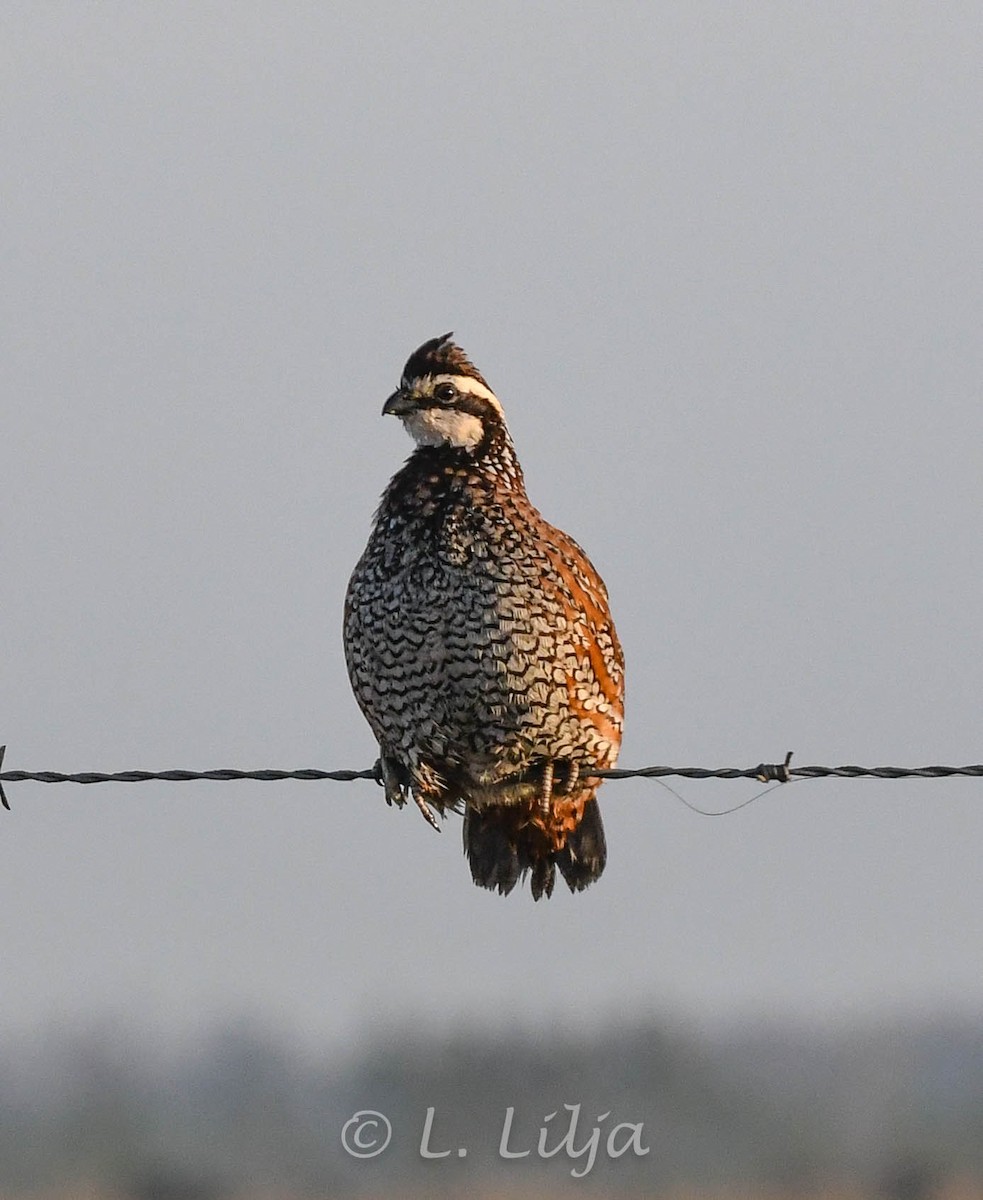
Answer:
(781, 772)
(766, 772)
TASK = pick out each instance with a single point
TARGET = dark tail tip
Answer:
(492, 854)
(583, 858)
(500, 854)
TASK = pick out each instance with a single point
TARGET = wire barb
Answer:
(3, 797)
(775, 772)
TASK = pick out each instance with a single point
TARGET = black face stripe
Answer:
(464, 402)
(477, 406)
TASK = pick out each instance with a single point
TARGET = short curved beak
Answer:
(399, 404)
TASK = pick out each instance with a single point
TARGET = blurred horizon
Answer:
(242, 1109)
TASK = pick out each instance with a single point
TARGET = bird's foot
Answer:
(546, 791)
(559, 777)
(428, 785)
(391, 773)
(428, 813)
(571, 775)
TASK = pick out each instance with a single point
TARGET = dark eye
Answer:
(446, 393)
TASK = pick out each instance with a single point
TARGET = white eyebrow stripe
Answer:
(469, 387)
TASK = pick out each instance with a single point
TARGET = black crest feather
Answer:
(440, 356)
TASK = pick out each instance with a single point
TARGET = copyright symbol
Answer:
(366, 1134)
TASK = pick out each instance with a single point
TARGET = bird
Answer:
(479, 642)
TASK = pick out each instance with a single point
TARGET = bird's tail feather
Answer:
(502, 844)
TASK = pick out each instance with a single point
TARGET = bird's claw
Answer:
(428, 813)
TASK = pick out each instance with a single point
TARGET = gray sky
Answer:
(722, 263)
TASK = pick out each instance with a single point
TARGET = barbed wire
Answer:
(782, 772)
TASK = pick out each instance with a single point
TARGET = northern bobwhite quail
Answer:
(479, 642)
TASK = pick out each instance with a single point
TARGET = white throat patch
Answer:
(444, 427)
